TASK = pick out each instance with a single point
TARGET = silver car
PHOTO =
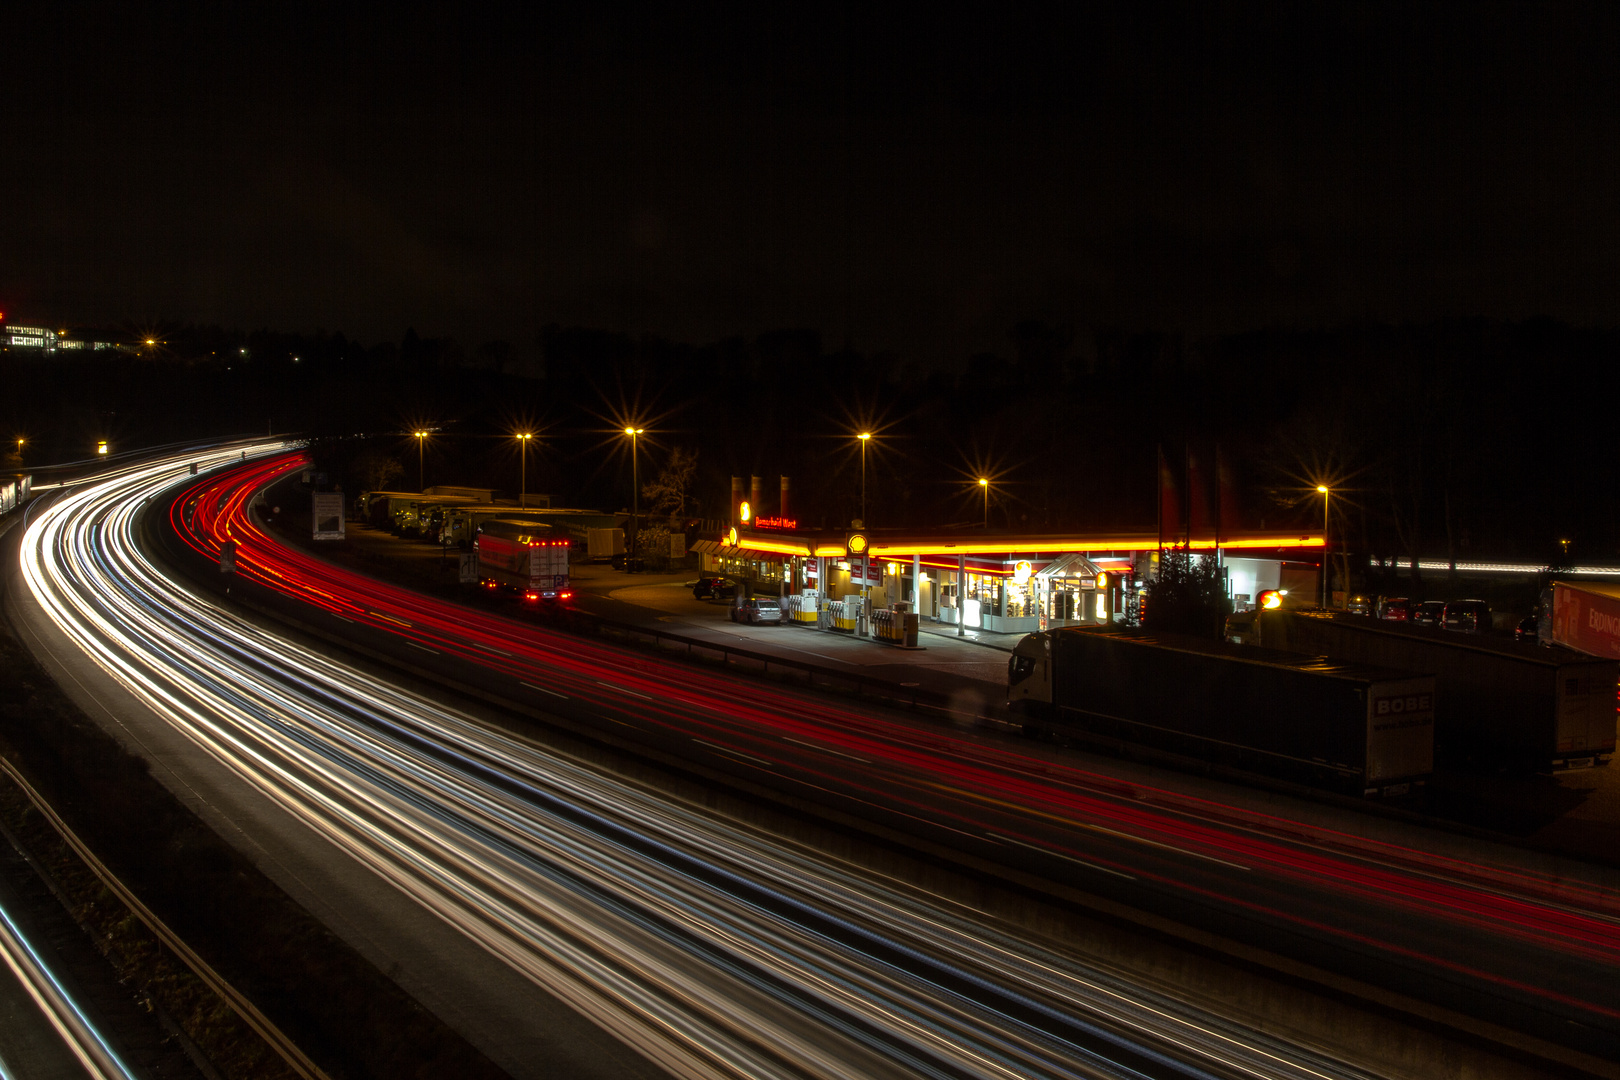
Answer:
(757, 609)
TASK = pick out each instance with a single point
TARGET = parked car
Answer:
(1428, 613)
(1467, 617)
(1359, 604)
(1528, 630)
(714, 588)
(757, 609)
(1395, 609)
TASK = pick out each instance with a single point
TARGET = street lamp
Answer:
(865, 437)
(1326, 495)
(523, 469)
(421, 468)
(635, 495)
(985, 483)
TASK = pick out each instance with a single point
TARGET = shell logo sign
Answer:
(1022, 571)
(856, 544)
(744, 512)
(731, 537)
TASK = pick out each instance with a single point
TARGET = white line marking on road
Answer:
(728, 750)
(824, 750)
(542, 689)
(622, 690)
(1155, 843)
(1056, 855)
(424, 648)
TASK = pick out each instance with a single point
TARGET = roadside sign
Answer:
(227, 557)
(326, 514)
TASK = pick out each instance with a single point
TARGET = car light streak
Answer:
(713, 950)
(1434, 913)
(86, 1044)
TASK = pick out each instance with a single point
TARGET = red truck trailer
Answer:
(1586, 617)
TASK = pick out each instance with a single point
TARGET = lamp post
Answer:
(1326, 495)
(865, 437)
(635, 494)
(985, 483)
(523, 469)
(421, 467)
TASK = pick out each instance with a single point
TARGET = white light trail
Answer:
(714, 951)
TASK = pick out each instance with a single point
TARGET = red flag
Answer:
(1226, 508)
(1169, 503)
(1198, 520)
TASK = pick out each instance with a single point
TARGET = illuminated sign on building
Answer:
(744, 512)
(856, 545)
(775, 522)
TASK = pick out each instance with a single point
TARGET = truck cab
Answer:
(1029, 675)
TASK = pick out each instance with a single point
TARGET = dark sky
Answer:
(917, 179)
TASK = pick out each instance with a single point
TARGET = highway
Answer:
(1530, 947)
(710, 949)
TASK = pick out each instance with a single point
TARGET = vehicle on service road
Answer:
(524, 556)
(1466, 617)
(1333, 724)
(757, 610)
(1395, 609)
(714, 588)
(1500, 704)
(1428, 613)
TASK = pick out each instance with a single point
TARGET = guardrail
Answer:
(285, 1048)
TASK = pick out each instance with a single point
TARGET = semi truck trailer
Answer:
(1502, 704)
(1332, 724)
(526, 557)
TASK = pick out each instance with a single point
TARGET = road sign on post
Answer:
(227, 557)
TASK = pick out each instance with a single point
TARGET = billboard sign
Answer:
(326, 514)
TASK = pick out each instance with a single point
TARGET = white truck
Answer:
(604, 545)
(526, 557)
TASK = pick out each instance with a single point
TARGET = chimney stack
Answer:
(782, 510)
(755, 490)
(736, 498)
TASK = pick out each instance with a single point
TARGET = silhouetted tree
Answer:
(1188, 596)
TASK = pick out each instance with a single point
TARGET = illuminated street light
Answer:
(1326, 495)
(635, 434)
(865, 437)
(421, 468)
(523, 469)
(984, 483)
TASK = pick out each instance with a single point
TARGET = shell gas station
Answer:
(868, 581)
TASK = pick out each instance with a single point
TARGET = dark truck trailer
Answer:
(1501, 703)
(1332, 724)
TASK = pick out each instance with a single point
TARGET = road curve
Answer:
(714, 951)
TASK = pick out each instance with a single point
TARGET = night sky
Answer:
(917, 180)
